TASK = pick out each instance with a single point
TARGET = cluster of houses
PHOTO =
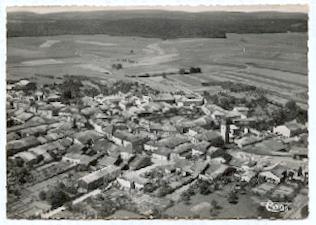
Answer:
(122, 138)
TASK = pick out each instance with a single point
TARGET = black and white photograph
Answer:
(162, 112)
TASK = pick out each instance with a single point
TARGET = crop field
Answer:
(276, 62)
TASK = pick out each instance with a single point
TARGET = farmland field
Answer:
(276, 62)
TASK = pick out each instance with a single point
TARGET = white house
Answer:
(289, 129)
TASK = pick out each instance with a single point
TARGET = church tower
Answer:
(225, 130)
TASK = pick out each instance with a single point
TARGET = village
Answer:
(139, 153)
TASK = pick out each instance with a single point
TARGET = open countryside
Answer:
(275, 62)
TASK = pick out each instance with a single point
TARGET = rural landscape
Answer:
(157, 114)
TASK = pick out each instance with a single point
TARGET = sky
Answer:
(243, 8)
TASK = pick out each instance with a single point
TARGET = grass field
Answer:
(276, 62)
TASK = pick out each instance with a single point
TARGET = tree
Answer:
(30, 88)
(164, 190)
(232, 198)
(56, 197)
(304, 212)
(42, 195)
(205, 188)
(215, 208)
(117, 66)
(149, 188)
(186, 197)
(300, 171)
(182, 71)
(291, 105)
(70, 88)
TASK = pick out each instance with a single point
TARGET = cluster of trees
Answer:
(159, 25)
(164, 189)
(17, 177)
(70, 88)
(232, 86)
(117, 66)
(55, 196)
(290, 112)
(258, 107)
(205, 187)
(124, 87)
(190, 71)
(224, 100)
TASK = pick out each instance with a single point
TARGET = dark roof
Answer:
(183, 148)
(87, 135)
(209, 136)
(163, 151)
(201, 146)
(127, 136)
(173, 141)
(102, 145)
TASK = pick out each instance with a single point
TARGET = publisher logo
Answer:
(276, 206)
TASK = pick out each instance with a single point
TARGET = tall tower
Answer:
(225, 130)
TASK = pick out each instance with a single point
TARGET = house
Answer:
(88, 101)
(183, 167)
(192, 131)
(97, 178)
(140, 162)
(20, 145)
(234, 131)
(86, 137)
(181, 151)
(248, 140)
(45, 111)
(102, 145)
(172, 141)
(164, 97)
(132, 181)
(36, 131)
(21, 104)
(269, 177)
(247, 175)
(28, 158)
(210, 151)
(162, 153)
(162, 130)
(283, 193)
(290, 129)
(24, 116)
(214, 170)
(151, 146)
(41, 153)
(126, 139)
(220, 153)
(189, 101)
(88, 111)
(213, 137)
(299, 152)
(83, 161)
(53, 97)
(198, 167)
(12, 136)
(263, 189)
(200, 148)
(243, 111)
(66, 113)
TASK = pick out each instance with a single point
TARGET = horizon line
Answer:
(288, 8)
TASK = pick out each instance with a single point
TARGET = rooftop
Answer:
(91, 177)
